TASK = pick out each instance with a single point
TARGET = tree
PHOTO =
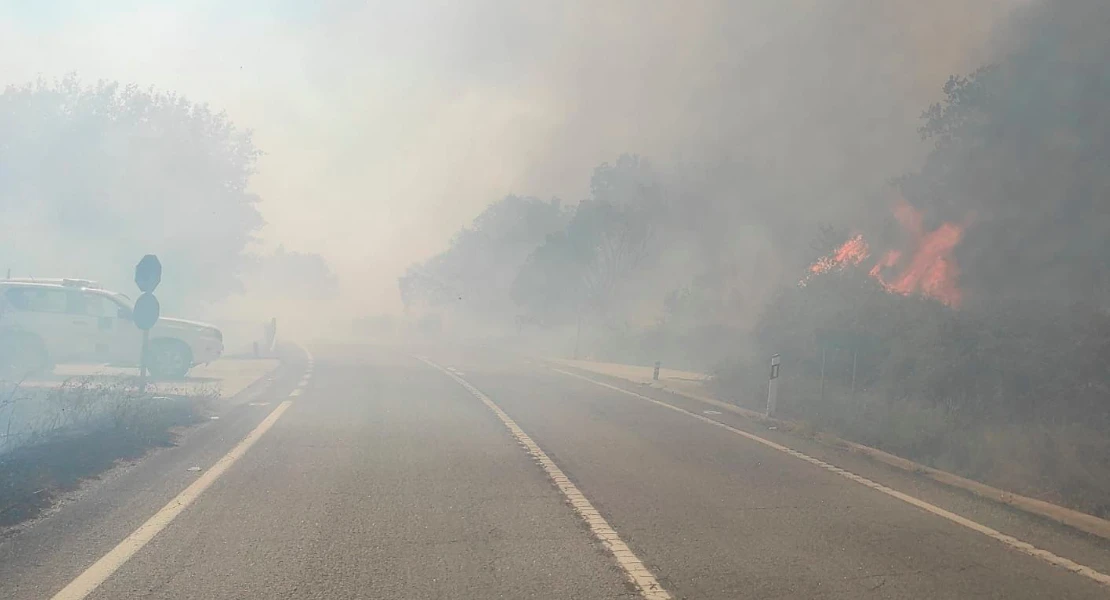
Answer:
(617, 239)
(474, 274)
(292, 274)
(93, 177)
(609, 238)
(1019, 154)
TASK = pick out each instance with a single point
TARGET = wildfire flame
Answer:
(925, 267)
(852, 252)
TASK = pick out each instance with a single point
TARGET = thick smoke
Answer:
(779, 116)
(387, 125)
(1018, 155)
(762, 121)
(828, 93)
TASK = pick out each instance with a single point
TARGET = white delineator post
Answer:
(773, 386)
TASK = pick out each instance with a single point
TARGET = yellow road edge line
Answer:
(633, 569)
(101, 570)
(1010, 541)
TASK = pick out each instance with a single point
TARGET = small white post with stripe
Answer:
(773, 387)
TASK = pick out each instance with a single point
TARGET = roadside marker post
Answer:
(773, 386)
(271, 336)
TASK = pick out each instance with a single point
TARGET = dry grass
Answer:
(78, 430)
(1063, 463)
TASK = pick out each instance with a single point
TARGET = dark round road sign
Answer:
(148, 273)
(146, 311)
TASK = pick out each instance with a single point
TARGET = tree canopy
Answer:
(1019, 154)
(92, 177)
(580, 266)
(474, 275)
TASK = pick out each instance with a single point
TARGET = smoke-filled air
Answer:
(906, 202)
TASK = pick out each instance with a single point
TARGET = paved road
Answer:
(386, 478)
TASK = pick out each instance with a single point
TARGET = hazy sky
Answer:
(376, 150)
(389, 124)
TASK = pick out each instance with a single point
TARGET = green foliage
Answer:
(528, 260)
(289, 274)
(582, 267)
(1013, 388)
(1019, 155)
(971, 390)
(1017, 159)
(475, 273)
(976, 364)
(96, 176)
(606, 241)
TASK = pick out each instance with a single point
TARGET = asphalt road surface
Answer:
(367, 473)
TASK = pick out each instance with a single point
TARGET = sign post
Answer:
(148, 274)
(773, 387)
(142, 357)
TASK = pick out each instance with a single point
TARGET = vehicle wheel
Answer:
(168, 359)
(23, 354)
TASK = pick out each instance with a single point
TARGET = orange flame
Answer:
(852, 252)
(930, 269)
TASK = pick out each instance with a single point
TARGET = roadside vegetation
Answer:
(956, 312)
(54, 438)
(89, 167)
(1015, 400)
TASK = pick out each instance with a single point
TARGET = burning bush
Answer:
(923, 265)
(905, 370)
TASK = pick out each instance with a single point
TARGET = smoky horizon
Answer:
(592, 299)
(369, 135)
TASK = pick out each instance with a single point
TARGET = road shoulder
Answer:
(1036, 529)
(42, 555)
(690, 386)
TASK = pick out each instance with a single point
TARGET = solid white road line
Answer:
(635, 570)
(1010, 541)
(102, 569)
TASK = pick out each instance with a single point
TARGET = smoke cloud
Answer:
(388, 125)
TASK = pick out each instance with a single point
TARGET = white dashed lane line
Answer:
(102, 569)
(635, 570)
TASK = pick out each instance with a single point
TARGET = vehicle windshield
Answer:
(578, 299)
